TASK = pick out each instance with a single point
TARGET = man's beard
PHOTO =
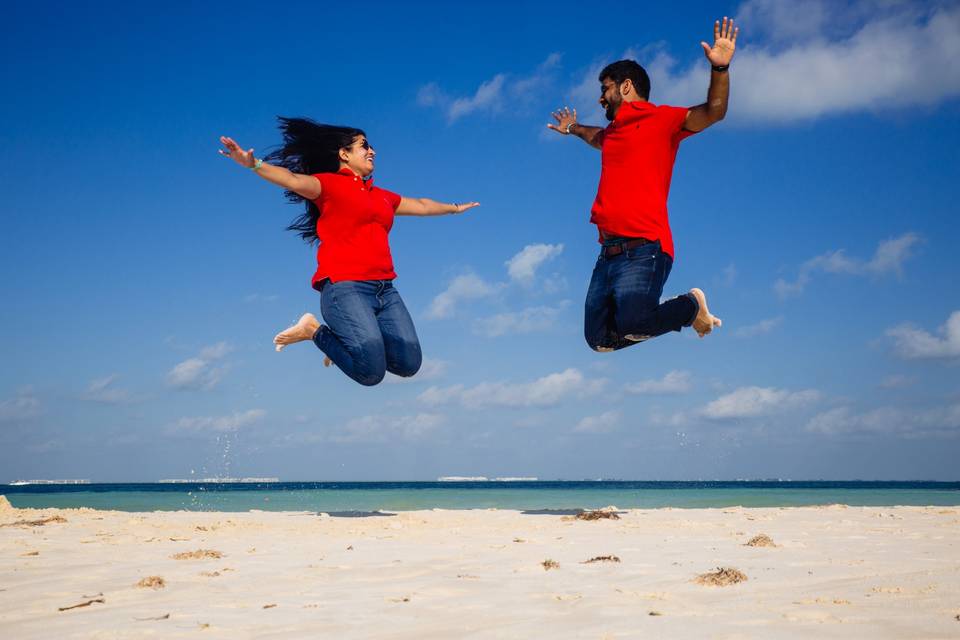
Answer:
(611, 111)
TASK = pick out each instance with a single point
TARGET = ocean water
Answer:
(364, 497)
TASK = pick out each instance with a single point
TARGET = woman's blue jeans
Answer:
(623, 302)
(368, 330)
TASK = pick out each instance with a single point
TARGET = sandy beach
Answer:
(817, 572)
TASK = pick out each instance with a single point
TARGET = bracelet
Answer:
(720, 68)
(256, 165)
(569, 126)
(456, 206)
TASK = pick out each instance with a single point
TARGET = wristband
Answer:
(720, 68)
(569, 126)
(256, 165)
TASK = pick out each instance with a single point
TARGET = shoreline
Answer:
(836, 571)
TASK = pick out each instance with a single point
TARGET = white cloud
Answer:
(430, 369)
(546, 391)
(491, 95)
(729, 275)
(103, 390)
(388, 428)
(603, 423)
(22, 406)
(894, 421)
(523, 266)
(897, 381)
(464, 287)
(890, 56)
(527, 320)
(221, 424)
(888, 258)
(911, 342)
(200, 373)
(254, 298)
(759, 328)
(672, 383)
(749, 402)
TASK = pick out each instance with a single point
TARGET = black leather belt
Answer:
(609, 251)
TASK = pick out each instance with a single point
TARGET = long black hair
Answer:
(310, 147)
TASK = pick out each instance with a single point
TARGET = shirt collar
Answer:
(347, 171)
(629, 108)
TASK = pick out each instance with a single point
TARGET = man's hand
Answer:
(724, 43)
(564, 118)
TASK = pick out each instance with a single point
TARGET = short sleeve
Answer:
(322, 178)
(393, 199)
(598, 139)
(676, 117)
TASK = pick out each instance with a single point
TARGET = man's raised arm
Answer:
(567, 125)
(720, 54)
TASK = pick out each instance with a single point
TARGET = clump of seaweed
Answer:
(199, 554)
(35, 523)
(722, 577)
(152, 582)
(602, 559)
(762, 540)
(597, 514)
(550, 564)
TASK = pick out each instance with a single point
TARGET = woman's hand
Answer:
(463, 206)
(233, 151)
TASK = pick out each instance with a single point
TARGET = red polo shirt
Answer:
(638, 149)
(355, 218)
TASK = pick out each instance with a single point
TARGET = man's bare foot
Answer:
(306, 326)
(327, 361)
(705, 321)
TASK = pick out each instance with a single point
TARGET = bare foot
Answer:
(705, 321)
(327, 361)
(306, 326)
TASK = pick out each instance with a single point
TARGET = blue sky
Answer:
(144, 276)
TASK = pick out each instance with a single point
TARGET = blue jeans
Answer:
(368, 330)
(623, 302)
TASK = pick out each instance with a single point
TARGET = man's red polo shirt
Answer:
(638, 151)
(355, 218)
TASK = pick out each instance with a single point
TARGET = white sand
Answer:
(837, 572)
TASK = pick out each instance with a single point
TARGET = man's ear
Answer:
(626, 86)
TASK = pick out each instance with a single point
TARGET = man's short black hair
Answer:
(628, 70)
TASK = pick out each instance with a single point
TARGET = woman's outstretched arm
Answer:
(303, 185)
(428, 207)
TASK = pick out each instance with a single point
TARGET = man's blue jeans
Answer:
(368, 330)
(623, 302)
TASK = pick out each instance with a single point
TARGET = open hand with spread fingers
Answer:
(724, 43)
(233, 151)
(565, 118)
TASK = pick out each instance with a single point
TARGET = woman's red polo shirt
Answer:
(355, 219)
(638, 150)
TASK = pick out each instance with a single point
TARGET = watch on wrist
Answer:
(570, 126)
(720, 68)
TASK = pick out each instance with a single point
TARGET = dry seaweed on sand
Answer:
(762, 540)
(34, 523)
(199, 554)
(152, 582)
(722, 577)
(598, 514)
(550, 564)
(601, 559)
(82, 604)
(163, 617)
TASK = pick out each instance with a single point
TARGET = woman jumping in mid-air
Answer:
(368, 330)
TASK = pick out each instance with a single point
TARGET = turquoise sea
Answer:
(363, 497)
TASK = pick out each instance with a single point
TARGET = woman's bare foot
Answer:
(306, 326)
(705, 321)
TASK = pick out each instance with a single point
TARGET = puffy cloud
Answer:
(523, 266)
(388, 428)
(673, 382)
(750, 402)
(542, 392)
(22, 406)
(200, 373)
(491, 94)
(826, 58)
(911, 342)
(219, 424)
(526, 320)
(888, 258)
(103, 390)
(603, 423)
(759, 328)
(464, 287)
(943, 421)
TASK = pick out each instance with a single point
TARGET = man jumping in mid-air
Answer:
(638, 150)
